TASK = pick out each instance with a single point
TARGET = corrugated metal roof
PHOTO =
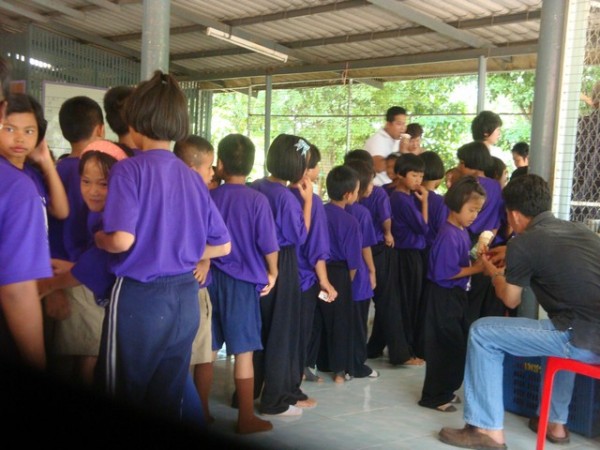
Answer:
(322, 38)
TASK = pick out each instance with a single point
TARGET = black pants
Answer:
(388, 327)
(411, 272)
(308, 333)
(359, 339)
(446, 331)
(277, 370)
(335, 353)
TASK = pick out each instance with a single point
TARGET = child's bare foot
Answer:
(306, 404)
(414, 362)
(253, 425)
(339, 377)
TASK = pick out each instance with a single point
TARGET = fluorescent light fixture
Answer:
(250, 45)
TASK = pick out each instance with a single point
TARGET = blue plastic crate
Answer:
(522, 377)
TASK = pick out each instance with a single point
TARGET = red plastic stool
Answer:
(554, 365)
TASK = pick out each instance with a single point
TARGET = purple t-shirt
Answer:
(75, 236)
(24, 252)
(438, 214)
(361, 285)
(316, 246)
(448, 255)
(493, 210)
(38, 180)
(288, 215)
(408, 225)
(168, 209)
(92, 269)
(344, 236)
(378, 204)
(248, 215)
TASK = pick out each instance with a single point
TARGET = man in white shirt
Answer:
(386, 141)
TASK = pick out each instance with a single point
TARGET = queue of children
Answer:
(155, 266)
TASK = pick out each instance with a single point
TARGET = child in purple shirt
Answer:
(448, 281)
(312, 258)
(432, 178)
(410, 227)
(474, 158)
(345, 260)
(248, 272)
(365, 280)
(24, 253)
(277, 365)
(157, 221)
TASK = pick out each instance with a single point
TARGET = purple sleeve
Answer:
(266, 239)
(351, 245)
(217, 233)
(121, 212)
(291, 218)
(367, 231)
(318, 241)
(408, 212)
(24, 253)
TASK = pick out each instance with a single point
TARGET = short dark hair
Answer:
(528, 194)
(104, 160)
(78, 116)
(394, 111)
(341, 180)
(496, 169)
(114, 102)
(157, 108)
(521, 149)
(407, 162)
(4, 78)
(393, 156)
(475, 155)
(414, 129)
(484, 124)
(434, 166)
(236, 153)
(286, 158)
(189, 148)
(365, 174)
(23, 103)
(463, 190)
(315, 156)
(359, 155)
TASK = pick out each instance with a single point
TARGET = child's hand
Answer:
(422, 193)
(372, 279)
(331, 292)
(60, 266)
(497, 256)
(305, 188)
(272, 278)
(488, 267)
(201, 271)
(388, 238)
(41, 154)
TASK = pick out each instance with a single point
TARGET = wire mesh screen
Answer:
(584, 30)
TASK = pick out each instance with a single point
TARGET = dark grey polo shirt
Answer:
(560, 260)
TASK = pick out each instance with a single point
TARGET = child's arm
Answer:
(22, 310)
(368, 257)
(272, 272)
(387, 232)
(352, 274)
(216, 251)
(305, 188)
(201, 270)
(321, 271)
(115, 242)
(62, 281)
(422, 194)
(58, 206)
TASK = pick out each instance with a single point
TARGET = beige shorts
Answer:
(79, 334)
(202, 345)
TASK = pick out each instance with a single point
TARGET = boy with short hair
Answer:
(410, 216)
(520, 154)
(247, 273)
(114, 102)
(345, 259)
(198, 154)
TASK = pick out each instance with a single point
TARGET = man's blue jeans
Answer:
(490, 338)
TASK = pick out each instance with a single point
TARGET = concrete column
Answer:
(155, 37)
(481, 78)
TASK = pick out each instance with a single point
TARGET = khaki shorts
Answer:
(79, 334)
(202, 345)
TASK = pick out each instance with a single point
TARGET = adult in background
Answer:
(568, 291)
(386, 141)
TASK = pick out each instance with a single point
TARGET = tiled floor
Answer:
(365, 414)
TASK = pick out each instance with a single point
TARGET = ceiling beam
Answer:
(106, 4)
(23, 12)
(406, 12)
(519, 48)
(371, 36)
(61, 7)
